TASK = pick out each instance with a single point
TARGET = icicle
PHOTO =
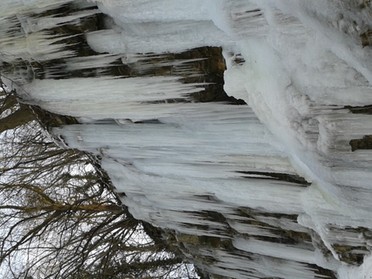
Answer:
(289, 166)
(157, 37)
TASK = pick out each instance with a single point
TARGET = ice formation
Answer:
(277, 188)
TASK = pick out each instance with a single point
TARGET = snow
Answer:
(303, 62)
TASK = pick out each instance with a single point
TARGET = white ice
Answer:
(302, 63)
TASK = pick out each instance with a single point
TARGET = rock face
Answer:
(242, 128)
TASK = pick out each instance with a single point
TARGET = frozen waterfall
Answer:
(271, 182)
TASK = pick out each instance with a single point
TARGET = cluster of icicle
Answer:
(293, 199)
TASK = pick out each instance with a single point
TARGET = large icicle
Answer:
(278, 188)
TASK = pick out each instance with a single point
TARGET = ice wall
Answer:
(277, 188)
